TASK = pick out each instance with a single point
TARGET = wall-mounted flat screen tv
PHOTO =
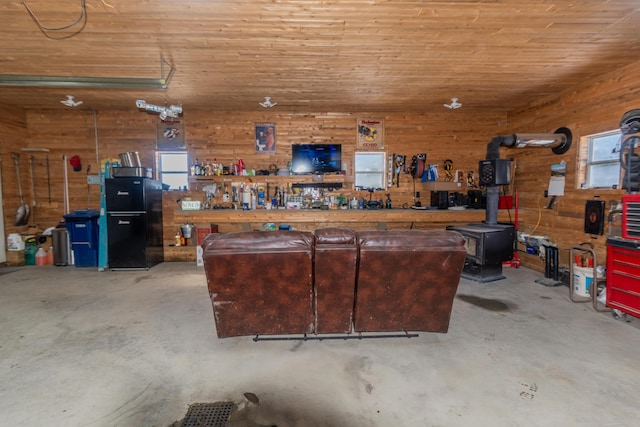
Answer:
(316, 158)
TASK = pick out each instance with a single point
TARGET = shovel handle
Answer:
(15, 157)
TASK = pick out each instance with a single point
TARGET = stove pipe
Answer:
(559, 142)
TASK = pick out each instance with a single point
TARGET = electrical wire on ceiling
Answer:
(81, 19)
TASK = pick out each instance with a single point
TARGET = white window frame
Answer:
(591, 140)
(161, 172)
(370, 167)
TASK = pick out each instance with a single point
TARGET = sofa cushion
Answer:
(335, 263)
(404, 239)
(335, 235)
(260, 282)
(407, 279)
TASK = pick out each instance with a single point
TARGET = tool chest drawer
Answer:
(623, 277)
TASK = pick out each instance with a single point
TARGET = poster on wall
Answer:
(170, 135)
(265, 138)
(370, 133)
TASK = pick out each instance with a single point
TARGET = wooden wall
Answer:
(460, 135)
(596, 106)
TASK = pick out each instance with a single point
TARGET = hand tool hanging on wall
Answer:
(48, 179)
(471, 180)
(66, 184)
(390, 170)
(33, 189)
(88, 187)
(22, 214)
(417, 165)
(448, 168)
(400, 166)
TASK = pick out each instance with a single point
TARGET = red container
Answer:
(505, 202)
(203, 230)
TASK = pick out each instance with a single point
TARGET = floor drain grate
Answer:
(208, 414)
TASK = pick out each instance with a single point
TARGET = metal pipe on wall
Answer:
(559, 142)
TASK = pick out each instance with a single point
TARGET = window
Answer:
(369, 170)
(173, 169)
(603, 160)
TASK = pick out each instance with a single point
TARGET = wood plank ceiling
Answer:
(353, 55)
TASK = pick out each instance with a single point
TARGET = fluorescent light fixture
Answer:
(89, 82)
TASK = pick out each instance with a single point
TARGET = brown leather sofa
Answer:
(332, 281)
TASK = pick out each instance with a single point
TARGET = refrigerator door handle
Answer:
(126, 213)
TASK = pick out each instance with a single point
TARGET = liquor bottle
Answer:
(196, 168)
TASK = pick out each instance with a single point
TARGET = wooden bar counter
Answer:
(317, 217)
(229, 220)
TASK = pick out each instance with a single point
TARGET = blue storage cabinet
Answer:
(82, 226)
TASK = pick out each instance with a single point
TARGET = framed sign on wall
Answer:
(170, 135)
(370, 134)
(265, 137)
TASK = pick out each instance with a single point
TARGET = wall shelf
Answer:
(320, 181)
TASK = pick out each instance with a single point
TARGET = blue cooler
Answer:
(82, 226)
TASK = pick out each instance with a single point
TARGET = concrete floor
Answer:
(85, 348)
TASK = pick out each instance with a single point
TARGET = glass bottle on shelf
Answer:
(197, 168)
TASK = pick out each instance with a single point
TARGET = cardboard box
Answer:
(15, 258)
(203, 230)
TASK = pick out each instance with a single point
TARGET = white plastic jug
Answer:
(15, 242)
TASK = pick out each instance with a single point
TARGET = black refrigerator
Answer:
(134, 222)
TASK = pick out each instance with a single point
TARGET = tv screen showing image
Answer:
(316, 158)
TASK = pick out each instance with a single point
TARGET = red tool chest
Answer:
(623, 275)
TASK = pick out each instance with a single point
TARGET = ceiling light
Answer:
(70, 102)
(267, 102)
(454, 104)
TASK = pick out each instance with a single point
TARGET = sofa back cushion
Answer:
(335, 259)
(407, 279)
(260, 282)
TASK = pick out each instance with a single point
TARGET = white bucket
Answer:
(582, 279)
(15, 242)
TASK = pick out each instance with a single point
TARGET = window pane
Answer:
(176, 181)
(370, 180)
(173, 162)
(604, 147)
(174, 170)
(603, 175)
(369, 170)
